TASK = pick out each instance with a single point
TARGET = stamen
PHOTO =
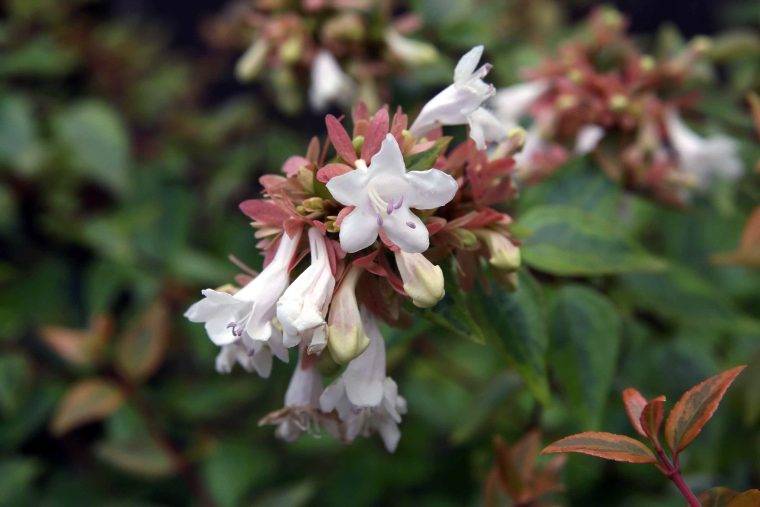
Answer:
(399, 203)
(379, 220)
(390, 208)
(411, 225)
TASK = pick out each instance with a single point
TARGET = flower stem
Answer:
(673, 472)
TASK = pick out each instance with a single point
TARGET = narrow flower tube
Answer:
(423, 281)
(329, 84)
(301, 403)
(514, 101)
(302, 308)
(252, 355)
(248, 312)
(503, 253)
(250, 64)
(410, 51)
(345, 332)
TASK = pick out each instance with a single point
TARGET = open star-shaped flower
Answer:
(382, 195)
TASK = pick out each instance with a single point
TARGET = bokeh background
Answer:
(125, 145)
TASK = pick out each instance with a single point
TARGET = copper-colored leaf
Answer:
(716, 497)
(340, 139)
(80, 347)
(141, 348)
(604, 445)
(141, 456)
(750, 498)
(651, 417)
(695, 408)
(86, 401)
(634, 405)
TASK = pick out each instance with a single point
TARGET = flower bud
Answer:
(504, 254)
(466, 238)
(250, 64)
(345, 333)
(410, 51)
(423, 281)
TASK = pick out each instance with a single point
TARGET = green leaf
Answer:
(19, 144)
(232, 470)
(139, 456)
(717, 497)
(515, 324)
(86, 401)
(94, 139)
(16, 476)
(141, 348)
(567, 241)
(15, 377)
(424, 160)
(585, 332)
(604, 445)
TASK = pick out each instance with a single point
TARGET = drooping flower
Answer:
(707, 159)
(252, 355)
(513, 102)
(382, 195)
(248, 312)
(302, 308)
(329, 84)
(423, 281)
(345, 332)
(364, 398)
(301, 411)
(461, 103)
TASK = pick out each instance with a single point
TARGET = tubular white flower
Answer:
(410, 51)
(460, 103)
(345, 332)
(383, 194)
(365, 399)
(524, 159)
(503, 253)
(250, 310)
(329, 84)
(514, 101)
(588, 138)
(302, 308)
(301, 403)
(250, 64)
(252, 355)
(705, 158)
(423, 281)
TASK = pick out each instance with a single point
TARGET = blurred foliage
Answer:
(121, 164)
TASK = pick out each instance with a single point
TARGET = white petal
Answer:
(406, 230)
(262, 362)
(588, 138)
(485, 128)
(430, 189)
(390, 433)
(514, 101)
(466, 65)
(348, 188)
(364, 376)
(389, 160)
(332, 395)
(358, 230)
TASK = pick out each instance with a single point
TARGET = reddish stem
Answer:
(673, 472)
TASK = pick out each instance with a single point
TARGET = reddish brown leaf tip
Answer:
(604, 445)
(652, 416)
(696, 407)
(634, 405)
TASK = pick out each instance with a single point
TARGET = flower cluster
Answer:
(340, 50)
(600, 94)
(351, 231)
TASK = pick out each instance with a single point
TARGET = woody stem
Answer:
(673, 472)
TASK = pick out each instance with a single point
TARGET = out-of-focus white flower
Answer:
(460, 103)
(423, 280)
(252, 355)
(503, 253)
(513, 102)
(365, 399)
(345, 331)
(383, 194)
(706, 159)
(250, 64)
(250, 310)
(302, 308)
(588, 138)
(329, 84)
(410, 51)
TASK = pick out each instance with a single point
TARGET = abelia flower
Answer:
(512, 103)
(423, 281)
(707, 159)
(252, 355)
(382, 195)
(365, 399)
(329, 84)
(345, 332)
(410, 51)
(302, 307)
(588, 138)
(461, 103)
(248, 312)
(503, 253)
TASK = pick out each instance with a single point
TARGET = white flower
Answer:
(410, 51)
(250, 64)
(365, 399)
(250, 310)
(460, 103)
(345, 331)
(423, 281)
(252, 355)
(329, 84)
(513, 102)
(588, 138)
(533, 146)
(302, 308)
(383, 195)
(503, 253)
(300, 413)
(705, 158)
